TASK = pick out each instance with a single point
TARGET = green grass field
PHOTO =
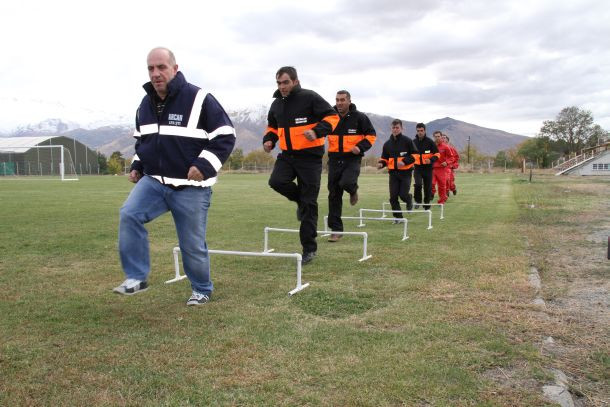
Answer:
(423, 322)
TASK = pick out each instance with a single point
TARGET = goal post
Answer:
(51, 160)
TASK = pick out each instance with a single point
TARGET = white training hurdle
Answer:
(429, 212)
(384, 204)
(364, 235)
(405, 236)
(296, 256)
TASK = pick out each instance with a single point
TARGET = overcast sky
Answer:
(508, 65)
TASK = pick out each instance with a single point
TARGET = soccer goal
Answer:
(49, 161)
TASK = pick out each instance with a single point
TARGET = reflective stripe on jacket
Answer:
(354, 130)
(396, 149)
(289, 117)
(192, 130)
(427, 150)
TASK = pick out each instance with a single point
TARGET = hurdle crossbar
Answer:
(428, 211)
(296, 256)
(384, 204)
(404, 221)
(364, 235)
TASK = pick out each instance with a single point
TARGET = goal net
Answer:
(47, 161)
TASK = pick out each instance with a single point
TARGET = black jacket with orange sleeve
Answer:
(427, 150)
(398, 149)
(354, 130)
(289, 117)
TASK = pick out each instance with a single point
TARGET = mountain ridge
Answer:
(250, 125)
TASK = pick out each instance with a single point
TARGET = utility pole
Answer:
(468, 154)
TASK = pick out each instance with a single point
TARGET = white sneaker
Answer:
(198, 299)
(131, 286)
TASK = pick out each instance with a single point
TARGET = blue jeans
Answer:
(150, 199)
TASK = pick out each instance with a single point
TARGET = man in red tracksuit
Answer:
(439, 168)
(454, 165)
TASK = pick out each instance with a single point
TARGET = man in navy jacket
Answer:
(183, 136)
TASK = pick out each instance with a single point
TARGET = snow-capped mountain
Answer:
(253, 115)
(108, 136)
(48, 126)
(27, 116)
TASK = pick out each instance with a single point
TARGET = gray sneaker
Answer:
(307, 257)
(198, 299)
(131, 286)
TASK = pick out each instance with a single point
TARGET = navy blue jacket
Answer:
(193, 129)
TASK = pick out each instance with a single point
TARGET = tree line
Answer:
(572, 130)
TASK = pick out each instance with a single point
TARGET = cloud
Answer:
(496, 63)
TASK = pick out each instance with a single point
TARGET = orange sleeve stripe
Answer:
(297, 139)
(271, 130)
(332, 119)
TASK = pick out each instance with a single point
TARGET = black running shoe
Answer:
(308, 257)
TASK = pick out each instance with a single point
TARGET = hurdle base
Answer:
(269, 251)
(297, 289)
(175, 279)
(429, 227)
(366, 258)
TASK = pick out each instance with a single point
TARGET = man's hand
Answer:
(444, 164)
(401, 164)
(194, 174)
(268, 146)
(134, 176)
(426, 161)
(310, 135)
(380, 166)
(355, 150)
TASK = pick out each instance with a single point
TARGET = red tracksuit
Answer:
(439, 172)
(454, 165)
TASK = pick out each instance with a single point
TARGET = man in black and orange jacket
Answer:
(346, 145)
(399, 155)
(299, 119)
(428, 153)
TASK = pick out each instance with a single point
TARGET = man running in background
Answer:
(439, 175)
(346, 145)
(454, 166)
(427, 154)
(398, 156)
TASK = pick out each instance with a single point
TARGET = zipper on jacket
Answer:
(286, 125)
(159, 116)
